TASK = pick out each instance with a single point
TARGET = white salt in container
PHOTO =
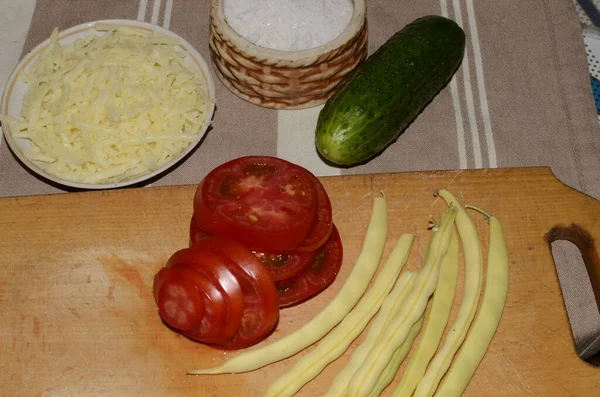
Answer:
(288, 25)
(286, 78)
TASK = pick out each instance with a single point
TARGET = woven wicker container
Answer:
(285, 79)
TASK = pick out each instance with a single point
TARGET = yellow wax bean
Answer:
(437, 319)
(398, 357)
(468, 306)
(335, 343)
(389, 372)
(366, 375)
(388, 310)
(488, 318)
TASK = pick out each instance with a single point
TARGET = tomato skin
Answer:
(180, 304)
(321, 229)
(212, 328)
(261, 302)
(281, 265)
(319, 275)
(196, 234)
(208, 328)
(266, 203)
(216, 270)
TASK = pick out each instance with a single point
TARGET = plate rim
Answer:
(33, 54)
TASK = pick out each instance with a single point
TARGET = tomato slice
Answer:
(216, 270)
(261, 304)
(283, 266)
(196, 234)
(180, 304)
(321, 229)
(318, 276)
(207, 328)
(265, 203)
(212, 329)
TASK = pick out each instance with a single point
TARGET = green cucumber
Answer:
(388, 90)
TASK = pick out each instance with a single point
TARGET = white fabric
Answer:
(14, 24)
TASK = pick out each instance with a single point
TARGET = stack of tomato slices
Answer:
(218, 293)
(261, 238)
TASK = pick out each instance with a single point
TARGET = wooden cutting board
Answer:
(78, 317)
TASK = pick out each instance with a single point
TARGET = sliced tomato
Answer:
(213, 327)
(216, 270)
(283, 266)
(196, 234)
(318, 276)
(261, 304)
(321, 229)
(265, 203)
(207, 327)
(159, 279)
(179, 302)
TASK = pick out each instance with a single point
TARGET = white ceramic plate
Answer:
(15, 89)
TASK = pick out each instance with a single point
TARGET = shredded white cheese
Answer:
(111, 107)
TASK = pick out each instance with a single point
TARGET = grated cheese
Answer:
(111, 107)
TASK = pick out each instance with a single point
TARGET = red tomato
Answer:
(196, 234)
(323, 223)
(265, 203)
(180, 305)
(207, 324)
(318, 276)
(283, 266)
(216, 269)
(261, 304)
(212, 329)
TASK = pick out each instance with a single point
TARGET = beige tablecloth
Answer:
(521, 98)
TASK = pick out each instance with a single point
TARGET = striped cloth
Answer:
(521, 98)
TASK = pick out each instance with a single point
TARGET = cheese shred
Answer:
(111, 107)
